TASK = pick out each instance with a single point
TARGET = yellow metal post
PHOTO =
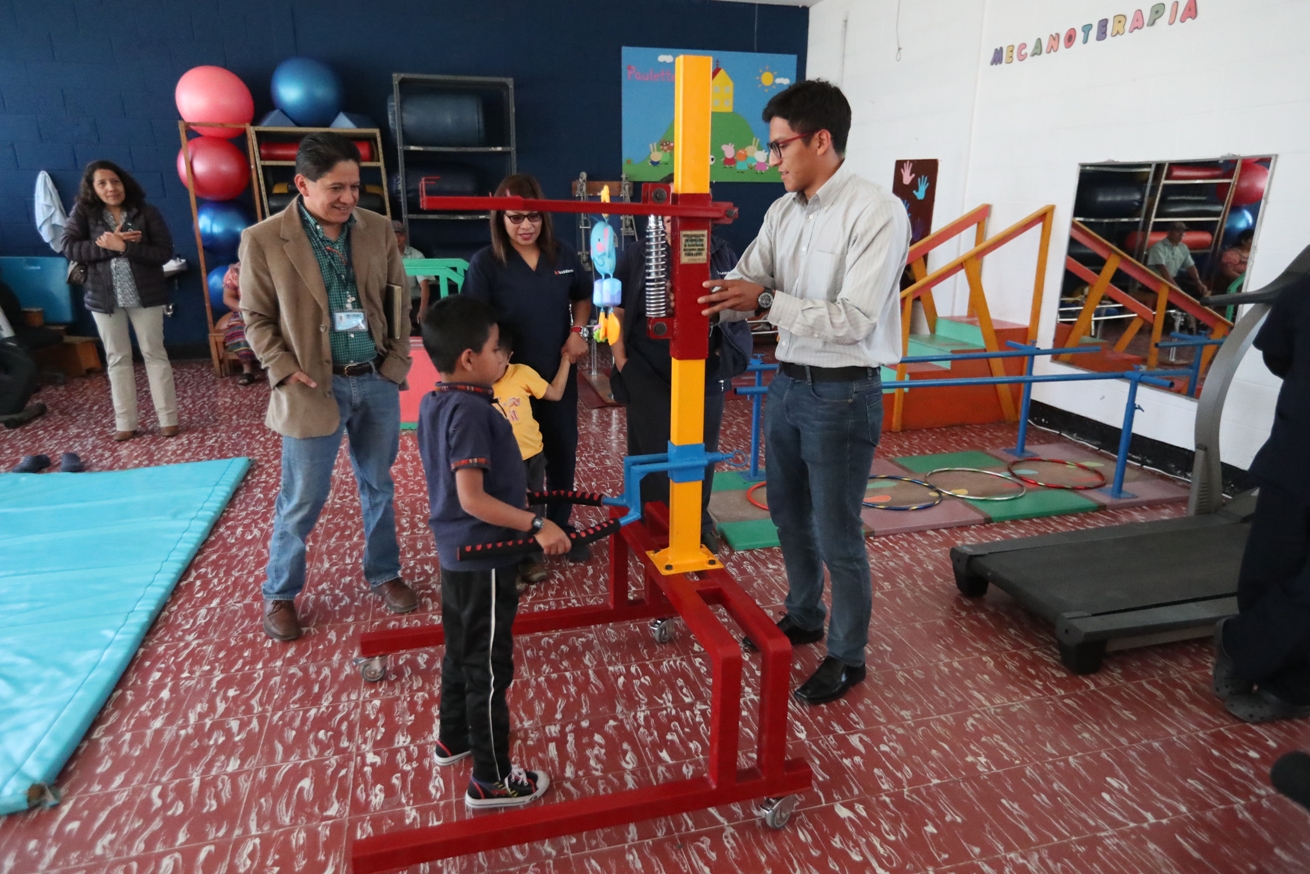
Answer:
(691, 175)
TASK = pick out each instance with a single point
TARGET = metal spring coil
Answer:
(657, 269)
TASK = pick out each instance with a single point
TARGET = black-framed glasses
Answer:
(516, 218)
(775, 147)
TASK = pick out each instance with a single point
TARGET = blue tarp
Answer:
(87, 561)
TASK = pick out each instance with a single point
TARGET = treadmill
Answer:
(1150, 581)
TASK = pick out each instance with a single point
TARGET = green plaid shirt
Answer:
(337, 267)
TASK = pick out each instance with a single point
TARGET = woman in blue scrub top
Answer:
(541, 292)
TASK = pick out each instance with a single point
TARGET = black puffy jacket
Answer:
(146, 257)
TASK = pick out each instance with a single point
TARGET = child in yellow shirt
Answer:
(517, 386)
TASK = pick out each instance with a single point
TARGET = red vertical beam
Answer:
(690, 271)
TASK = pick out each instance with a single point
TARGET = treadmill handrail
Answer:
(1206, 495)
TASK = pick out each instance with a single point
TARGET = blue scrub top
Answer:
(536, 304)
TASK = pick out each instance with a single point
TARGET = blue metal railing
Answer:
(1135, 377)
(1186, 341)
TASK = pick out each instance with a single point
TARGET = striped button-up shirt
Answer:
(834, 262)
(338, 269)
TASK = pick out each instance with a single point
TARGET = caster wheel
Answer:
(777, 811)
(662, 630)
(373, 670)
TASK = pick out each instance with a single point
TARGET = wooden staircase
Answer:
(950, 335)
(955, 405)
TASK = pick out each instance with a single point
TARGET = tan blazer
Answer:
(285, 307)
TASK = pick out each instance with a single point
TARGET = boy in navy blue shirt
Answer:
(477, 491)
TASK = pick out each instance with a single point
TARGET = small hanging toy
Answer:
(607, 292)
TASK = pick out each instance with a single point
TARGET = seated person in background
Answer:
(1169, 256)
(17, 380)
(1262, 662)
(477, 494)
(419, 286)
(234, 329)
(517, 385)
(1232, 263)
(643, 373)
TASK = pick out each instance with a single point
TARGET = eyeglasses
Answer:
(517, 218)
(776, 146)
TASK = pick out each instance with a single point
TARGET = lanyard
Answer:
(342, 262)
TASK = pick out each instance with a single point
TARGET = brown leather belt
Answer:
(806, 373)
(360, 369)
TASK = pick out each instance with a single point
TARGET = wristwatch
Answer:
(763, 302)
(537, 523)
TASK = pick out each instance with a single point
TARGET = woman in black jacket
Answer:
(124, 243)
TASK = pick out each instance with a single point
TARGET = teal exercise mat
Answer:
(87, 561)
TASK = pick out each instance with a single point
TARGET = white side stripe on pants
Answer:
(491, 668)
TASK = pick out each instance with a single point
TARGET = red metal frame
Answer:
(691, 206)
(691, 596)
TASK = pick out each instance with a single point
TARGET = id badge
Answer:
(349, 321)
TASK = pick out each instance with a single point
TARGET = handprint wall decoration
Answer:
(915, 183)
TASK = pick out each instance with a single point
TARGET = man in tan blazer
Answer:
(313, 282)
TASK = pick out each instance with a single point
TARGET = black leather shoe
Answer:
(1262, 705)
(1225, 681)
(829, 682)
(797, 635)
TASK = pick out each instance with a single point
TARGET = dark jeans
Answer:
(535, 467)
(477, 612)
(820, 438)
(648, 430)
(558, 421)
(1269, 640)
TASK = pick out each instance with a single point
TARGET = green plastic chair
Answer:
(449, 272)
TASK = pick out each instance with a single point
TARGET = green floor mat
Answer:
(751, 534)
(1038, 502)
(731, 481)
(927, 463)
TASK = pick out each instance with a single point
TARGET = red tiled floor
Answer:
(969, 748)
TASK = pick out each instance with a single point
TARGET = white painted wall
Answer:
(1236, 79)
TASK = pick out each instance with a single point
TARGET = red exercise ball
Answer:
(1197, 241)
(220, 168)
(1250, 185)
(213, 94)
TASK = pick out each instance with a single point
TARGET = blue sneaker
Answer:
(520, 787)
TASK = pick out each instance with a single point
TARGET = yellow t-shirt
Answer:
(514, 391)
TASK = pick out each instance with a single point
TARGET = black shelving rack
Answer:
(454, 233)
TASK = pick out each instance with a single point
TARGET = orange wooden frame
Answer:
(1166, 294)
(971, 264)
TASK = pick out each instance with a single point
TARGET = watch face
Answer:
(765, 300)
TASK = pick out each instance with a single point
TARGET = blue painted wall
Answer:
(82, 80)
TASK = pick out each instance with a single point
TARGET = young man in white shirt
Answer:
(825, 270)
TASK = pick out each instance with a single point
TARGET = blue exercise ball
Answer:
(1239, 219)
(215, 283)
(221, 223)
(308, 91)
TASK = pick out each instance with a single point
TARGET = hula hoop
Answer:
(750, 496)
(878, 505)
(1023, 489)
(1072, 488)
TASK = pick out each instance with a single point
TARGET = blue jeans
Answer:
(820, 441)
(370, 415)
